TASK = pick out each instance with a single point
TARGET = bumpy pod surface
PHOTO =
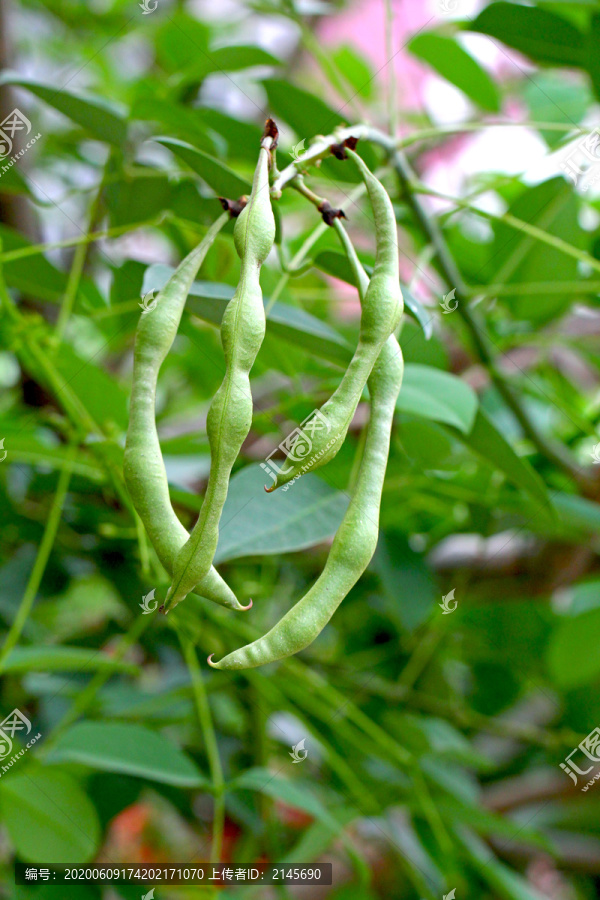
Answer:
(143, 464)
(382, 308)
(356, 538)
(230, 415)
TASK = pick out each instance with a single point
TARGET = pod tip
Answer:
(269, 490)
(249, 605)
(209, 660)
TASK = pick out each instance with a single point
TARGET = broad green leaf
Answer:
(104, 121)
(356, 69)
(553, 207)
(577, 513)
(306, 113)
(337, 264)
(573, 658)
(552, 98)
(292, 793)
(437, 395)
(178, 119)
(208, 301)
(256, 523)
(409, 588)
(104, 399)
(458, 67)
(593, 63)
(539, 34)
(223, 181)
(127, 749)
(139, 198)
(48, 817)
(489, 443)
(240, 56)
(63, 659)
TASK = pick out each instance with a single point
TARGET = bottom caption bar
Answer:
(175, 873)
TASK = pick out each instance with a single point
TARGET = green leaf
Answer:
(577, 513)
(304, 112)
(208, 301)
(129, 750)
(458, 67)
(337, 265)
(104, 121)
(104, 399)
(177, 119)
(437, 395)
(593, 61)
(223, 181)
(541, 35)
(137, 199)
(356, 70)
(256, 523)
(240, 56)
(63, 659)
(553, 207)
(48, 817)
(573, 658)
(489, 443)
(295, 794)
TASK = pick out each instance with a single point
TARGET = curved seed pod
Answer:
(381, 311)
(356, 538)
(143, 464)
(230, 415)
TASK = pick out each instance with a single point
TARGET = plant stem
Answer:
(41, 559)
(79, 260)
(392, 86)
(210, 744)
(117, 231)
(554, 453)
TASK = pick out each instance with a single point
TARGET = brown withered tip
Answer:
(233, 207)
(269, 490)
(339, 150)
(162, 609)
(272, 131)
(329, 213)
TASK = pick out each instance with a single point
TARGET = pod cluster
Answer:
(376, 364)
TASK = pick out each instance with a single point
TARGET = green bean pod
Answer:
(356, 538)
(230, 415)
(143, 464)
(382, 308)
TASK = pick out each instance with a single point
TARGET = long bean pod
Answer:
(382, 308)
(356, 538)
(230, 415)
(143, 465)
